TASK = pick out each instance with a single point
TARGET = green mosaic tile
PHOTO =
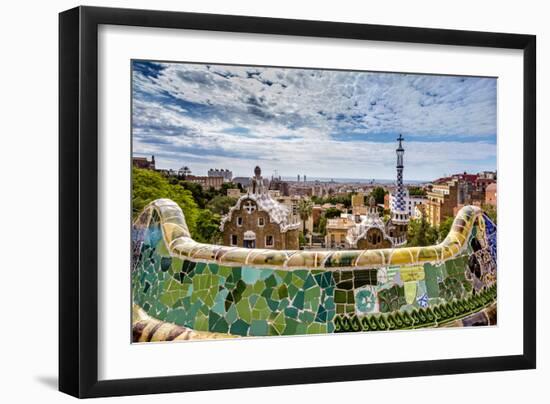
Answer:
(340, 296)
(232, 315)
(306, 317)
(291, 312)
(219, 305)
(310, 282)
(201, 322)
(312, 293)
(283, 304)
(259, 327)
(250, 275)
(298, 301)
(291, 327)
(239, 327)
(244, 311)
(297, 281)
(279, 323)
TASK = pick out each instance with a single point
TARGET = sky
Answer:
(321, 123)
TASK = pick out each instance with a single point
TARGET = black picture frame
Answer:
(78, 196)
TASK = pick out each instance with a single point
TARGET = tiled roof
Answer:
(359, 231)
(278, 213)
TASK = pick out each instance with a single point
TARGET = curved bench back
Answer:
(253, 292)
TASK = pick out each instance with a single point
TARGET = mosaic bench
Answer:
(183, 289)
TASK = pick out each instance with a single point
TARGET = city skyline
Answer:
(325, 124)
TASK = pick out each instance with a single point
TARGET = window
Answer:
(239, 221)
(269, 241)
(261, 221)
(233, 239)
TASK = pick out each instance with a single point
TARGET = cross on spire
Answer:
(400, 139)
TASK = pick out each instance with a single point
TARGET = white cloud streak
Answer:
(321, 123)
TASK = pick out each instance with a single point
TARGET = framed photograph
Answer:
(250, 201)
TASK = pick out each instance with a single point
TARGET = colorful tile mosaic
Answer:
(181, 286)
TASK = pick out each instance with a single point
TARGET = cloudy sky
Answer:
(321, 123)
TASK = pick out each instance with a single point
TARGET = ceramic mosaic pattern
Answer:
(219, 291)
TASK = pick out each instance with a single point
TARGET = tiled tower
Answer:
(400, 216)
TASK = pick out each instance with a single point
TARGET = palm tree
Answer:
(305, 206)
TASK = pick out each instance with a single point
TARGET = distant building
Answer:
(358, 199)
(337, 231)
(234, 193)
(277, 184)
(471, 187)
(358, 204)
(410, 202)
(300, 190)
(206, 182)
(492, 175)
(387, 201)
(142, 162)
(319, 190)
(317, 211)
(257, 220)
(227, 175)
(491, 194)
(442, 200)
(244, 181)
(449, 194)
(481, 185)
(184, 171)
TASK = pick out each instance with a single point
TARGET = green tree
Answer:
(323, 225)
(221, 204)
(208, 227)
(334, 199)
(317, 200)
(432, 235)
(417, 191)
(230, 185)
(148, 185)
(197, 192)
(301, 239)
(490, 211)
(378, 194)
(305, 207)
(332, 212)
(445, 228)
(420, 233)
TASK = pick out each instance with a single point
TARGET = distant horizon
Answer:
(335, 124)
(290, 178)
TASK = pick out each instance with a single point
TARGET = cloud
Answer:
(318, 122)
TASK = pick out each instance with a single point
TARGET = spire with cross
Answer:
(399, 207)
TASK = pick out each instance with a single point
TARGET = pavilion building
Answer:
(257, 220)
